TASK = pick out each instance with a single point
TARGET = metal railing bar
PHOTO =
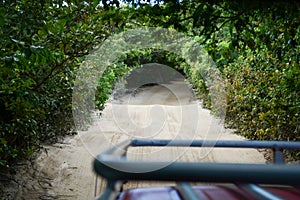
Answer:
(111, 191)
(118, 149)
(109, 162)
(258, 192)
(278, 157)
(218, 143)
(186, 191)
(205, 172)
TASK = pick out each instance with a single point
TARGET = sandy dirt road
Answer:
(64, 171)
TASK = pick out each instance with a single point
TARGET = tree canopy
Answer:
(255, 46)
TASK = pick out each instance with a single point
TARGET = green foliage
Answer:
(264, 103)
(42, 45)
(134, 60)
(255, 46)
(257, 49)
(106, 83)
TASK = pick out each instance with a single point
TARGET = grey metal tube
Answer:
(218, 143)
(186, 191)
(207, 172)
(259, 192)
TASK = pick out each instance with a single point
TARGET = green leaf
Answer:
(3, 141)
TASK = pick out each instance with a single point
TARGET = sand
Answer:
(170, 111)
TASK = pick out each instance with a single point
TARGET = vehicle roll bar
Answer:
(107, 164)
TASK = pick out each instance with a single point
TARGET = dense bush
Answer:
(256, 47)
(261, 65)
(265, 84)
(42, 44)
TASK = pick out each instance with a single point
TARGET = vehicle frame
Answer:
(246, 177)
